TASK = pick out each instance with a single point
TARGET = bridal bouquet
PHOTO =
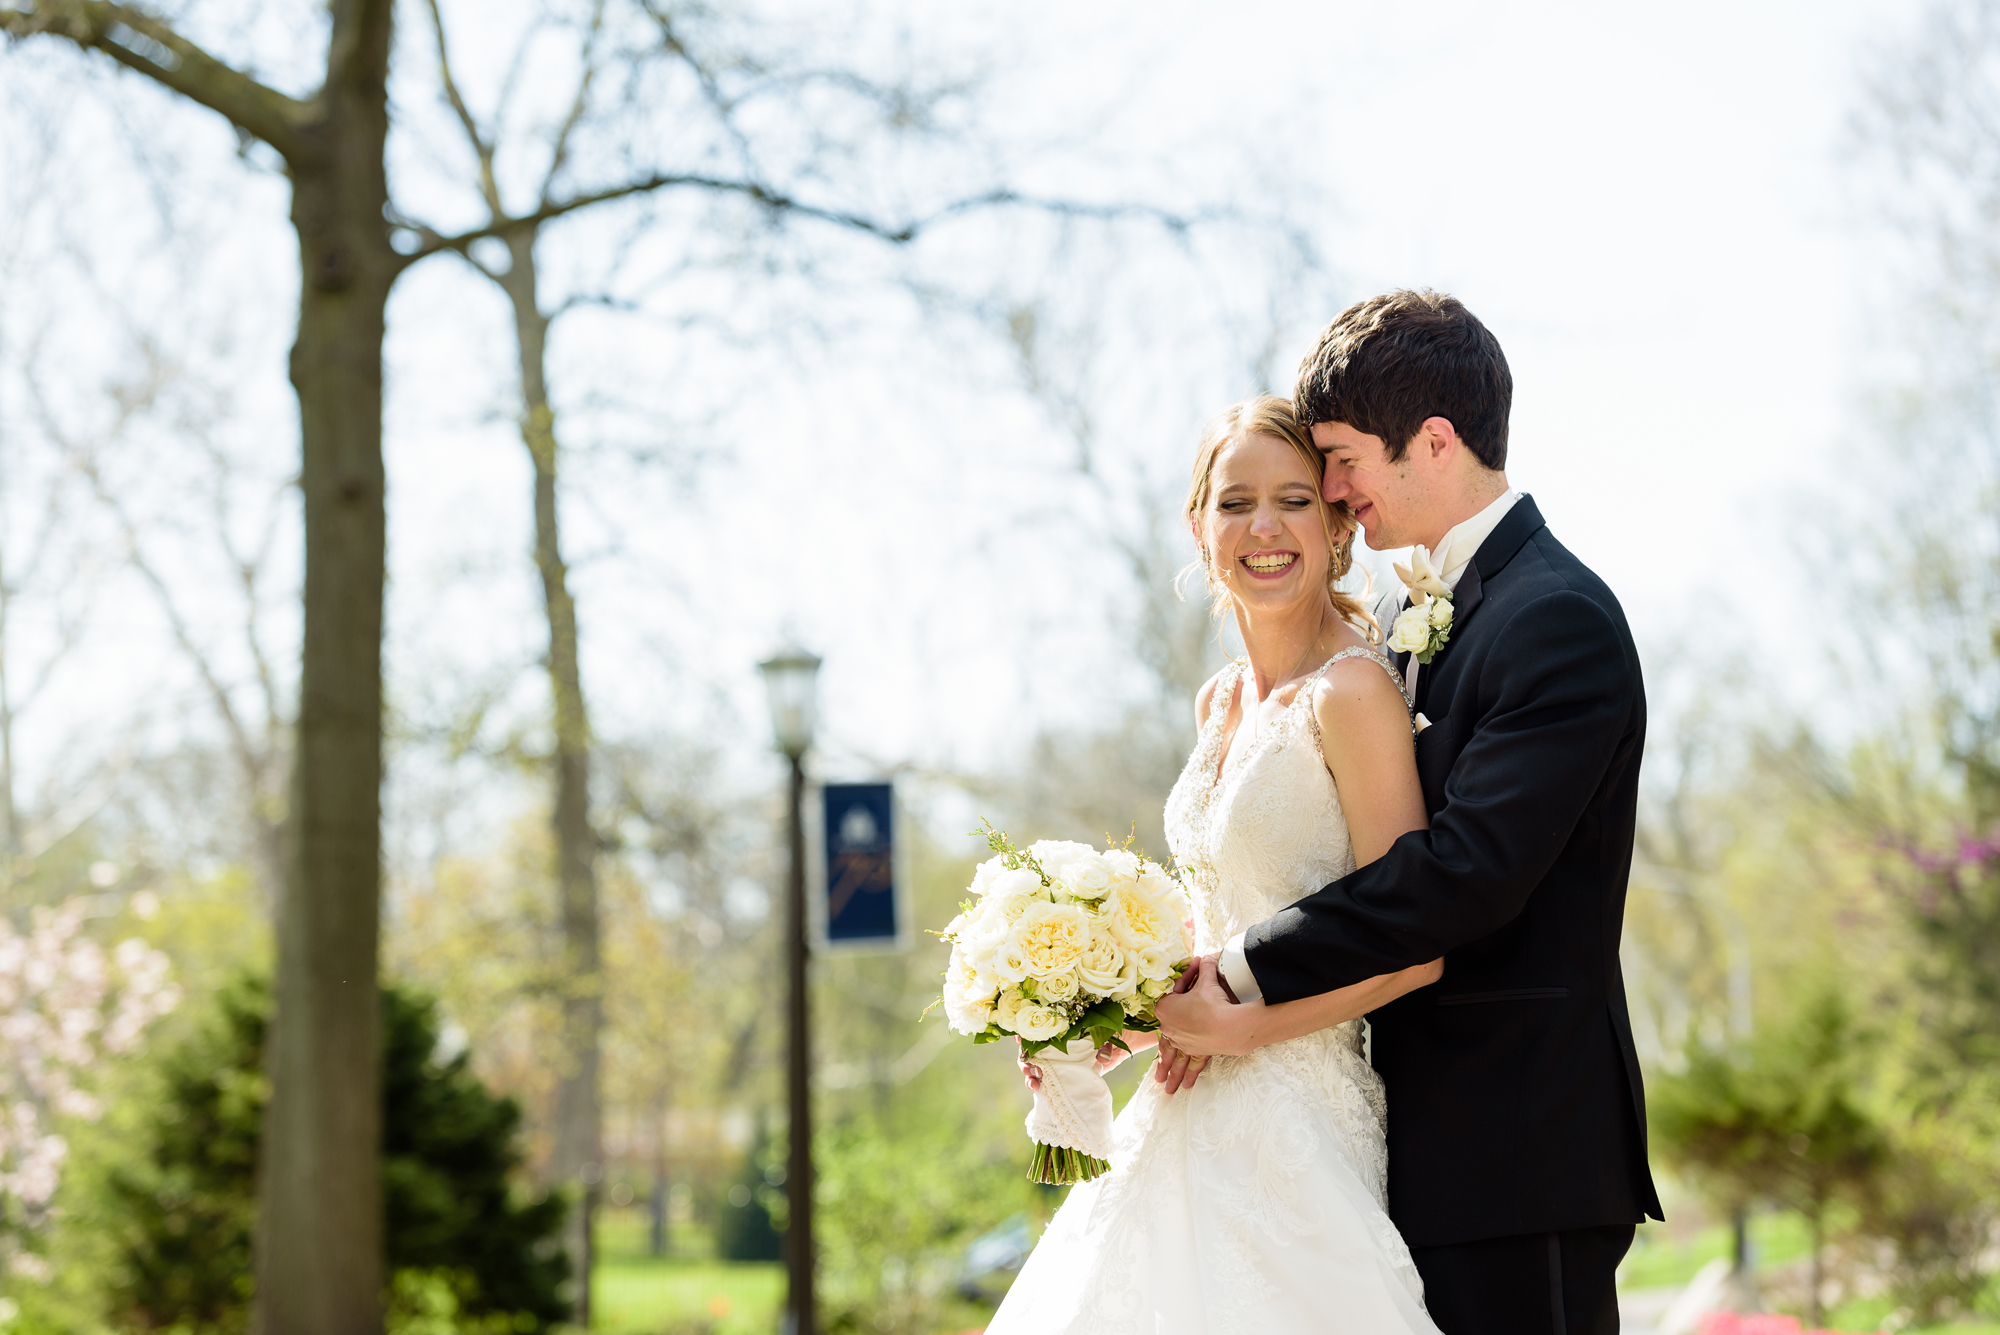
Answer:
(1064, 947)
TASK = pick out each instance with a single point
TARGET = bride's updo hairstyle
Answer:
(1269, 415)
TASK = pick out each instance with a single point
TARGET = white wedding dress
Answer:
(1255, 1201)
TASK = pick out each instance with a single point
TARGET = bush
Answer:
(1782, 1120)
(1934, 1205)
(749, 1219)
(457, 1242)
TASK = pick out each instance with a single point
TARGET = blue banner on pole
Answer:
(859, 827)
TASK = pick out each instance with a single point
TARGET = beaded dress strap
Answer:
(1305, 694)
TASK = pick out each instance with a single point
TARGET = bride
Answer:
(1250, 1196)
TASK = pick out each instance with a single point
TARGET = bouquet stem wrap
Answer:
(1071, 1120)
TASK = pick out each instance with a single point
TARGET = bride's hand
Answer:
(1031, 1074)
(1175, 1069)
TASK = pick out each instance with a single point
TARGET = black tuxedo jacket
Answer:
(1515, 1103)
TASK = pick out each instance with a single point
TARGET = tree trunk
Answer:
(579, 1114)
(319, 1237)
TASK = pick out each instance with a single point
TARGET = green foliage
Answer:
(905, 1186)
(1783, 1119)
(461, 1249)
(752, 1209)
(1935, 1205)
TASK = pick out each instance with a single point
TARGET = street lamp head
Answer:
(791, 676)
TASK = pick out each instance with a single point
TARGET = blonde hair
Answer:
(1269, 415)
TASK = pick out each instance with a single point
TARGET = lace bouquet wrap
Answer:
(1064, 947)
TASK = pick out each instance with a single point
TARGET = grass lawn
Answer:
(636, 1293)
(643, 1296)
(1656, 1260)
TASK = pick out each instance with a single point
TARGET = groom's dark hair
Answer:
(1387, 363)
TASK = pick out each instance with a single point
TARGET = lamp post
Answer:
(791, 676)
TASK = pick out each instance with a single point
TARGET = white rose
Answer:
(1139, 920)
(1036, 1022)
(1154, 988)
(1006, 907)
(1124, 863)
(1087, 877)
(1156, 962)
(1008, 963)
(1440, 612)
(1008, 1006)
(1138, 1006)
(1062, 987)
(1128, 981)
(1051, 938)
(1103, 960)
(1412, 631)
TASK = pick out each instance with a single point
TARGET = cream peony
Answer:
(970, 976)
(967, 1015)
(1138, 920)
(1036, 1022)
(1051, 938)
(1020, 881)
(1124, 863)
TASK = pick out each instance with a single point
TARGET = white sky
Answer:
(1647, 205)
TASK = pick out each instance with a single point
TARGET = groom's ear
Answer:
(1436, 441)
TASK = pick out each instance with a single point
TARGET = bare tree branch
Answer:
(781, 203)
(139, 41)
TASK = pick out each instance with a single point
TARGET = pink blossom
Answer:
(65, 1004)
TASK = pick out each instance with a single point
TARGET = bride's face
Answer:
(1263, 529)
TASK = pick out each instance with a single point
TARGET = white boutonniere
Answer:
(1425, 625)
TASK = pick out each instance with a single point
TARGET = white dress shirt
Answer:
(1450, 557)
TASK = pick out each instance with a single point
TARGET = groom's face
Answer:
(1387, 498)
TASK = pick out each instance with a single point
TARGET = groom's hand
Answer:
(1200, 1019)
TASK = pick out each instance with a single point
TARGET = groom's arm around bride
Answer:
(1517, 1162)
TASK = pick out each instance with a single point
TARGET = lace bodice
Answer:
(1268, 829)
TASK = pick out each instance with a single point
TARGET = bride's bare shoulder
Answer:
(1357, 693)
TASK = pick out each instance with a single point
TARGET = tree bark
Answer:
(579, 1115)
(319, 1242)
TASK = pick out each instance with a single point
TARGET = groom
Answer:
(1517, 1153)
